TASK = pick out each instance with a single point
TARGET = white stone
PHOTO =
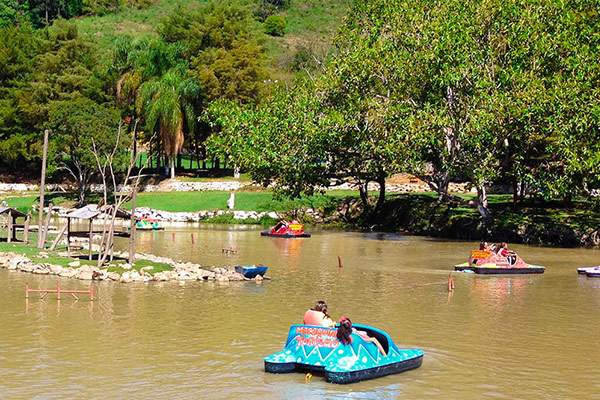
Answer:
(56, 269)
(113, 276)
(84, 275)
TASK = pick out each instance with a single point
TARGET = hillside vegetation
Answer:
(310, 27)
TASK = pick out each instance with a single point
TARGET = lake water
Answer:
(526, 337)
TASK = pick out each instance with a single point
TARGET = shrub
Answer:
(275, 25)
(264, 10)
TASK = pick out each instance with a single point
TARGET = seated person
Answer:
(503, 250)
(318, 316)
(345, 330)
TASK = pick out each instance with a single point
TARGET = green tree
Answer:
(81, 128)
(169, 106)
(37, 68)
(275, 25)
(222, 46)
(276, 141)
(479, 88)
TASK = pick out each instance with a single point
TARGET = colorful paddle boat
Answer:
(590, 272)
(148, 225)
(251, 271)
(285, 229)
(490, 263)
(317, 349)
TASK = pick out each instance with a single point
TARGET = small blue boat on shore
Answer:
(317, 349)
(251, 271)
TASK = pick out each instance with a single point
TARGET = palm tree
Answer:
(168, 105)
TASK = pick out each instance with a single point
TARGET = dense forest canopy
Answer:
(484, 92)
(495, 91)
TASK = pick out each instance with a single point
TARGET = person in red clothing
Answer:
(503, 251)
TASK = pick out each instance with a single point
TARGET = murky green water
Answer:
(527, 337)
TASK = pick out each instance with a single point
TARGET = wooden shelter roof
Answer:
(92, 211)
(14, 212)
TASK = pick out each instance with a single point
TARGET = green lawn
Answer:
(203, 200)
(245, 201)
(25, 201)
(31, 252)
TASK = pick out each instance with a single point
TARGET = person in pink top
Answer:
(318, 316)
(345, 330)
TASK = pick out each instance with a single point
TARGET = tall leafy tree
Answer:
(80, 127)
(223, 48)
(169, 107)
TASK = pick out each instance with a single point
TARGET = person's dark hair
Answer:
(322, 307)
(344, 330)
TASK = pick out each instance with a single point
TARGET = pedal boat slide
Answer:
(284, 229)
(317, 349)
(590, 272)
(489, 263)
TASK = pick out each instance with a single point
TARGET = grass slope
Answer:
(244, 201)
(204, 200)
(310, 24)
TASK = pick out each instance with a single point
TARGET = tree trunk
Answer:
(439, 182)
(172, 166)
(522, 192)
(81, 195)
(364, 194)
(442, 187)
(515, 190)
(381, 198)
(568, 200)
(482, 202)
(197, 152)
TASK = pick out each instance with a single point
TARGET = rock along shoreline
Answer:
(182, 271)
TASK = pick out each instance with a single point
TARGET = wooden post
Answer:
(450, 283)
(69, 236)
(133, 227)
(26, 229)
(42, 189)
(44, 233)
(9, 226)
(90, 235)
(60, 235)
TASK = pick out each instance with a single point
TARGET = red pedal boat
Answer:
(285, 229)
(489, 263)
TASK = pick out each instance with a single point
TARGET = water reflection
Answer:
(505, 337)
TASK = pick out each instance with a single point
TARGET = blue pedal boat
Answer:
(251, 271)
(317, 349)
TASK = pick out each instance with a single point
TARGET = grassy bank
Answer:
(203, 200)
(537, 223)
(54, 258)
(244, 201)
